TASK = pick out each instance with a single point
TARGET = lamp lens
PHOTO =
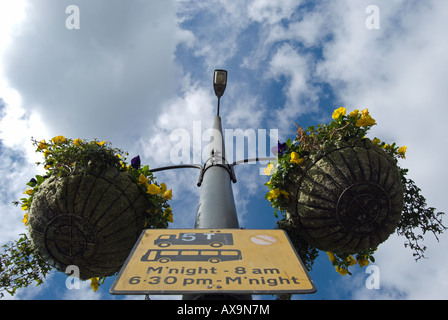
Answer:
(220, 78)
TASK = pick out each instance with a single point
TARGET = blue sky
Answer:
(136, 71)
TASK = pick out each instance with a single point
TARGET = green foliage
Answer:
(306, 252)
(20, 265)
(417, 219)
(63, 157)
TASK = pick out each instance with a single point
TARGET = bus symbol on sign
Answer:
(212, 256)
(215, 240)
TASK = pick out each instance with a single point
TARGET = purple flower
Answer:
(135, 162)
(281, 148)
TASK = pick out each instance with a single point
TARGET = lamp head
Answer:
(219, 82)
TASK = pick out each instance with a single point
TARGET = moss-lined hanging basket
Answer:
(347, 198)
(90, 220)
(86, 211)
(343, 193)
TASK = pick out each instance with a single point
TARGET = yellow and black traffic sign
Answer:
(240, 261)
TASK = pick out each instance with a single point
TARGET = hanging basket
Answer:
(91, 220)
(347, 198)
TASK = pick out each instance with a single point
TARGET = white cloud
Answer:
(84, 292)
(301, 95)
(17, 126)
(11, 14)
(401, 277)
(183, 126)
(17, 167)
(247, 112)
(106, 79)
(271, 12)
(195, 108)
(310, 30)
(217, 43)
(398, 72)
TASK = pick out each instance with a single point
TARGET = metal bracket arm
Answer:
(228, 167)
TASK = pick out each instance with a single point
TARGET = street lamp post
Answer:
(216, 209)
(216, 203)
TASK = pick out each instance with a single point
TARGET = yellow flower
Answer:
(365, 112)
(169, 212)
(341, 271)
(42, 145)
(58, 139)
(269, 169)
(46, 153)
(25, 218)
(29, 191)
(365, 121)
(363, 262)
(285, 194)
(295, 158)
(153, 189)
(273, 194)
(94, 283)
(163, 187)
(370, 121)
(354, 113)
(167, 195)
(142, 179)
(402, 151)
(100, 143)
(351, 260)
(331, 256)
(376, 141)
(338, 112)
(77, 142)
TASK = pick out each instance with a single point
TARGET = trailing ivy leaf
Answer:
(39, 179)
(32, 183)
(20, 266)
(417, 217)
